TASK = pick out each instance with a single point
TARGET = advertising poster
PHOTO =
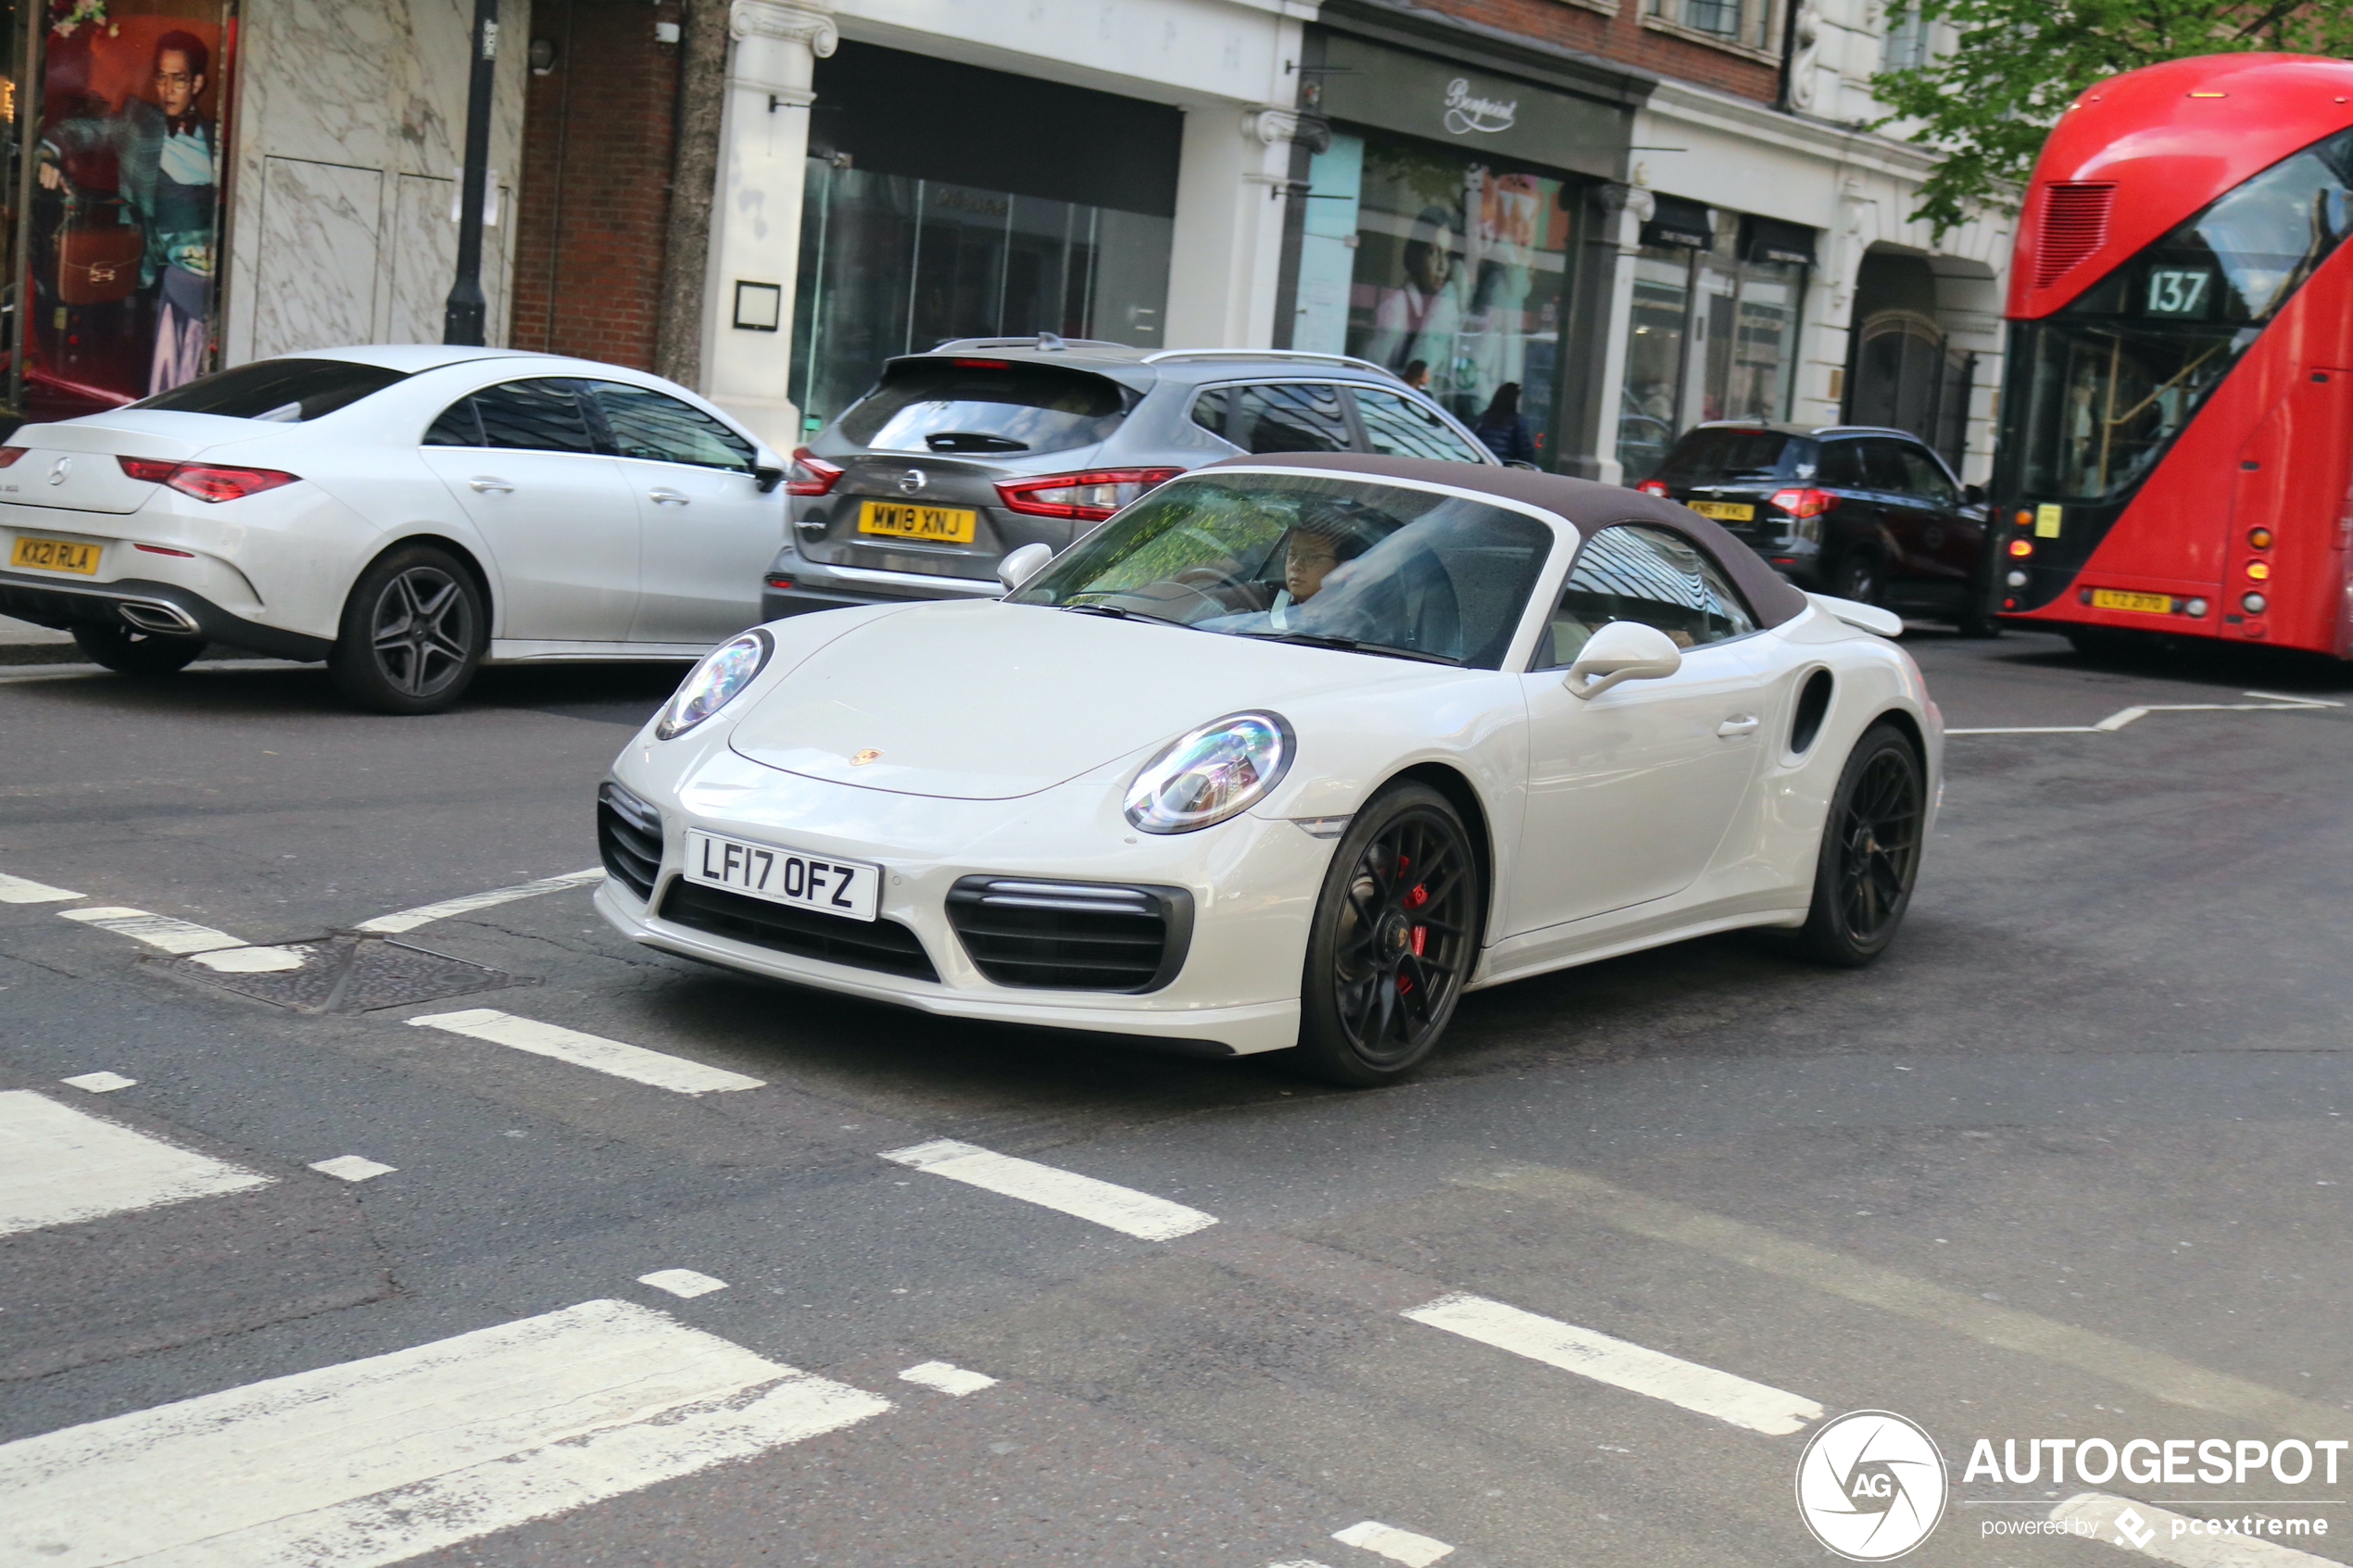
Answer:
(126, 205)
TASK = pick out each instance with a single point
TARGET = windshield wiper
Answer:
(1349, 644)
(1117, 613)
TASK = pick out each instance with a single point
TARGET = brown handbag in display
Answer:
(98, 257)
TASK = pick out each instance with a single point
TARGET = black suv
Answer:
(1854, 510)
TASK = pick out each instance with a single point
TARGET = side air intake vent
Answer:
(2074, 225)
(1072, 936)
(628, 838)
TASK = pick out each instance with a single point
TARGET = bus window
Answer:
(2113, 377)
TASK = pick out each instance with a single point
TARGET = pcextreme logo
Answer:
(1870, 1485)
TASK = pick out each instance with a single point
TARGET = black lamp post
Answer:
(468, 313)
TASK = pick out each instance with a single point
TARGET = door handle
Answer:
(665, 498)
(1744, 724)
(483, 482)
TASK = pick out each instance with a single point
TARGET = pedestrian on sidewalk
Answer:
(1502, 428)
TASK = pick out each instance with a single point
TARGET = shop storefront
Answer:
(945, 201)
(1448, 233)
(1713, 334)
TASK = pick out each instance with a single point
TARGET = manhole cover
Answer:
(347, 975)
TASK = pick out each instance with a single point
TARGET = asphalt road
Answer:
(2071, 1162)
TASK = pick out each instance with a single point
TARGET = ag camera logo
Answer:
(1871, 1485)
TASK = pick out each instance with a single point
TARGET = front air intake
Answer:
(1072, 936)
(2074, 225)
(628, 838)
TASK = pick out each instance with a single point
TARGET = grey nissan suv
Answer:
(982, 445)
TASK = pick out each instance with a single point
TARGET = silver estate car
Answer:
(963, 455)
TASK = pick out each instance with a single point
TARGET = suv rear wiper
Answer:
(973, 441)
(1349, 644)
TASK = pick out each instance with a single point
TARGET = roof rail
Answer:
(1351, 360)
(1046, 341)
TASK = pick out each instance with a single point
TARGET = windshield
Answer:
(1329, 560)
(1721, 455)
(285, 391)
(984, 405)
(2111, 379)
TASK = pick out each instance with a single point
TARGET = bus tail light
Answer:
(2194, 608)
(2254, 604)
(2258, 571)
(1805, 503)
(1653, 488)
(1090, 497)
(2021, 548)
(2016, 580)
(2258, 538)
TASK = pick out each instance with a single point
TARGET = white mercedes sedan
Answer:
(1289, 754)
(404, 513)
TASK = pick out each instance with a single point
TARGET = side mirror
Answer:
(1973, 495)
(1623, 650)
(768, 477)
(1020, 566)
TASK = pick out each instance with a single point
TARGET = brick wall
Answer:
(1624, 38)
(595, 182)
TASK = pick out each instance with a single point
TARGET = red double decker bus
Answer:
(2176, 452)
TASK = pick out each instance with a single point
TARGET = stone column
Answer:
(755, 222)
(1231, 186)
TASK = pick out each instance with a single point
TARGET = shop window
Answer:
(1907, 40)
(1452, 273)
(1712, 336)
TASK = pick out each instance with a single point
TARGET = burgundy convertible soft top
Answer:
(1582, 503)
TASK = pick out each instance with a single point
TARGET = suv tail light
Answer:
(1805, 503)
(1090, 498)
(810, 475)
(206, 482)
(1653, 488)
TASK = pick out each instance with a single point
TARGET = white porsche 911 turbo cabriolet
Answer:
(1289, 753)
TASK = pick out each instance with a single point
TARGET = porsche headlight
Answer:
(711, 685)
(1210, 774)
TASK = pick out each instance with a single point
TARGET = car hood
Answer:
(989, 701)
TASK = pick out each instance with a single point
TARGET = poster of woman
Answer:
(127, 213)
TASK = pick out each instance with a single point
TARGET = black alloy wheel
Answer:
(1857, 578)
(1395, 936)
(129, 652)
(1870, 853)
(414, 633)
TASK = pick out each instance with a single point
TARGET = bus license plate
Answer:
(945, 525)
(848, 888)
(2145, 604)
(1724, 511)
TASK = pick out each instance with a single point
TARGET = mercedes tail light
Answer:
(1090, 498)
(8, 455)
(206, 482)
(810, 475)
(1653, 488)
(1805, 503)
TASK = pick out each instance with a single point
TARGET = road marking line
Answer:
(353, 1167)
(100, 1083)
(593, 1051)
(2150, 1533)
(252, 961)
(377, 1460)
(425, 914)
(58, 1165)
(156, 930)
(2150, 1371)
(948, 1378)
(1298, 1562)
(1403, 1546)
(1620, 1363)
(1139, 1214)
(20, 890)
(685, 1284)
(2273, 703)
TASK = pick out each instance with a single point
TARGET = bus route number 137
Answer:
(2178, 291)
